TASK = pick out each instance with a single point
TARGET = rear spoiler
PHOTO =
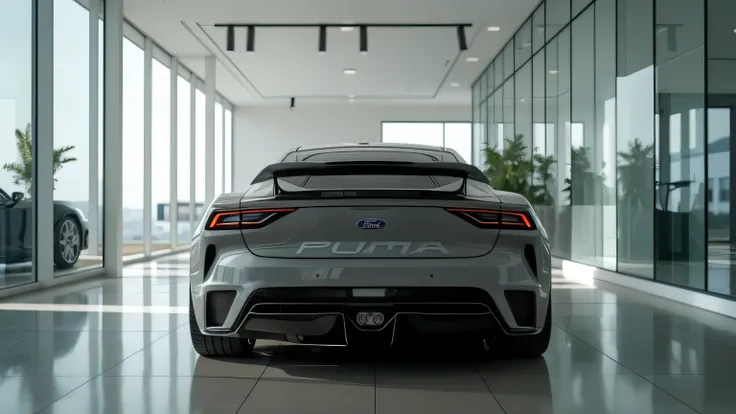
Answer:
(296, 169)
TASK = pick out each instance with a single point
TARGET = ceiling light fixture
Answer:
(351, 96)
(351, 100)
(472, 59)
(349, 71)
(347, 28)
(363, 39)
(454, 84)
(322, 39)
(230, 38)
(461, 41)
(554, 72)
(494, 29)
(251, 41)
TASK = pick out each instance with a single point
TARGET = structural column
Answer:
(147, 144)
(209, 123)
(222, 153)
(113, 139)
(42, 189)
(173, 156)
(93, 216)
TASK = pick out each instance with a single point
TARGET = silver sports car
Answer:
(370, 244)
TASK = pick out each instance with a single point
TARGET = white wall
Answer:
(263, 134)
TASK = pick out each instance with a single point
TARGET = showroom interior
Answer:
(122, 120)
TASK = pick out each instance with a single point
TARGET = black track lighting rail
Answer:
(251, 27)
(397, 25)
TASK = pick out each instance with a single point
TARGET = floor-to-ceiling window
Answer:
(76, 169)
(160, 153)
(218, 149)
(633, 106)
(133, 131)
(453, 135)
(183, 152)
(228, 150)
(199, 146)
(721, 160)
(16, 139)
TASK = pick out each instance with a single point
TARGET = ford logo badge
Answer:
(370, 224)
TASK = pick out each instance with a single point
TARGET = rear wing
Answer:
(296, 169)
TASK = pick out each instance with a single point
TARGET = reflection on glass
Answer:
(133, 58)
(558, 14)
(721, 163)
(634, 137)
(16, 214)
(161, 155)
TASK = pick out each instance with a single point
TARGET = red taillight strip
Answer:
(468, 212)
(219, 215)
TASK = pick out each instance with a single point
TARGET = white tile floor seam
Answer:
(122, 346)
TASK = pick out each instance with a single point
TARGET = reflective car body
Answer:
(341, 245)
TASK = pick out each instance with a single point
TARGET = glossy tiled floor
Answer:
(122, 346)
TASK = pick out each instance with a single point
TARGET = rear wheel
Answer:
(217, 346)
(526, 346)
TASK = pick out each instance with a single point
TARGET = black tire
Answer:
(526, 346)
(217, 346)
(61, 258)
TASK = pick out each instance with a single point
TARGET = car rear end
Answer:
(348, 253)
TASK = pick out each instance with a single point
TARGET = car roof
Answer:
(410, 151)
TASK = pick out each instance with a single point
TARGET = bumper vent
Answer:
(523, 306)
(218, 306)
(531, 258)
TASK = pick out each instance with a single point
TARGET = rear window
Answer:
(364, 182)
(369, 155)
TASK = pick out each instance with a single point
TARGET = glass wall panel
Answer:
(16, 214)
(558, 15)
(218, 149)
(199, 145)
(605, 127)
(523, 44)
(183, 151)
(228, 151)
(481, 144)
(721, 160)
(635, 137)
(501, 136)
(508, 59)
(508, 109)
(421, 133)
(680, 243)
(72, 168)
(585, 188)
(133, 58)
(476, 98)
(539, 140)
(161, 155)
(538, 39)
(558, 139)
(523, 106)
(498, 71)
(578, 6)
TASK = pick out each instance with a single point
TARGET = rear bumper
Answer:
(316, 301)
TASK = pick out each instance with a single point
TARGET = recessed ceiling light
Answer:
(351, 96)
(554, 72)
(347, 28)
(472, 59)
(351, 100)
(493, 28)
(454, 84)
(349, 71)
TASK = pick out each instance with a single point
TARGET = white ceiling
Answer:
(402, 65)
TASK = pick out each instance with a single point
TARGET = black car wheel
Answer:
(217, 346)
(67, 243)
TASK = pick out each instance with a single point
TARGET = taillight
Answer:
(245, 219)
(495, 219)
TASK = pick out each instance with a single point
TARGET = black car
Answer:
(16, 231)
